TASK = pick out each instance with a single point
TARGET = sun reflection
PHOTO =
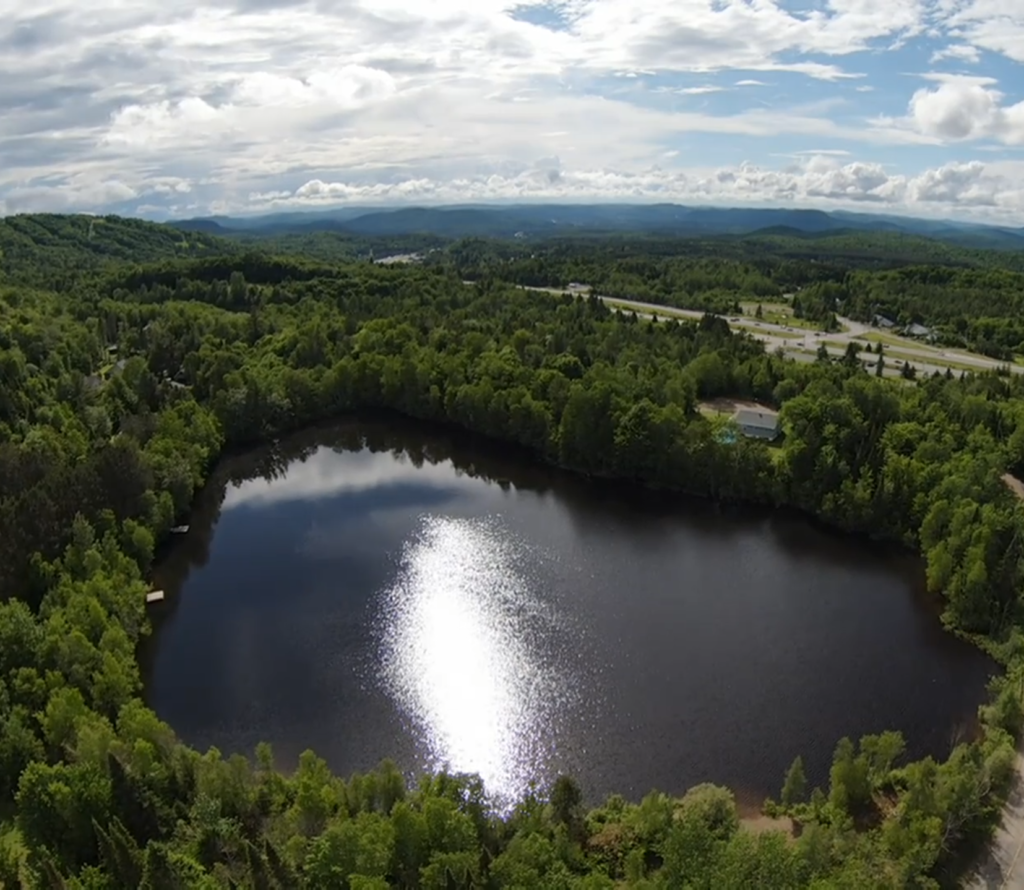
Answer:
(462, 655)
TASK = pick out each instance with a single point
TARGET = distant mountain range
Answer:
(546, 220)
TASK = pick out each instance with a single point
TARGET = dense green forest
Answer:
(125, 372)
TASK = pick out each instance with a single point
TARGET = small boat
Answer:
(155, 596)
(179, 529)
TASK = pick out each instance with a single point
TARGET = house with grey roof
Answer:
(880, 321)
(918, 330)
(757, 423)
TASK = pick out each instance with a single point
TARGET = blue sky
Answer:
(168, 108)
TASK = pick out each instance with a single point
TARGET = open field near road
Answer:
(938, 360)
(888, 339)
(778, 314)
(751, 329)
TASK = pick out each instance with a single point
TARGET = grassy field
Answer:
(778, 313)
(929, 354)
(935, 359)
(938, 360)
(750, 329)
(661, 311)
(892, 340)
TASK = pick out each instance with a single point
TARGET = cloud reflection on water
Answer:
(327, 473)
(462, 655)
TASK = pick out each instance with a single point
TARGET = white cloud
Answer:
(962, 108)
(700, 91)
(140, 126)
(955, 184)
(995, 25)
(77, 194)
(194, 106)
(825, 180)
(958, 52)
(349, 86)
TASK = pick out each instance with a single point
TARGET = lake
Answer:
(379, 589)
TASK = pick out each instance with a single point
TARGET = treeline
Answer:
(682, 272)
(120, 392)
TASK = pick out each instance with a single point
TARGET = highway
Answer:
(802, 344)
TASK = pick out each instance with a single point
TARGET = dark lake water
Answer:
(378, 589)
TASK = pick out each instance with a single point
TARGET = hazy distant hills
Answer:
(545, 220)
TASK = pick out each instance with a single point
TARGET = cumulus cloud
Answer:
(816, 180)
(955, 184)
(962, 108)
(349, 86)
(186, 108)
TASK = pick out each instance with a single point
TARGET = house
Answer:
(918, 330)
(880, 321)
(757, 423)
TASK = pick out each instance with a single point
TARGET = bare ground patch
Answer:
(1014, 484)
(725, 405)
(760, 824)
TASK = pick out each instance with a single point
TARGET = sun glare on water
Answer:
(462, 655)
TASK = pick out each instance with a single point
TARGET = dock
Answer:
(155, 596)
(179, 529)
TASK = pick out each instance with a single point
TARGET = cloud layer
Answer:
(178, 109)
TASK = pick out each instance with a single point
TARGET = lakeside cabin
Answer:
(757, 423)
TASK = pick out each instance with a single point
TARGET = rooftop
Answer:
(757, 417)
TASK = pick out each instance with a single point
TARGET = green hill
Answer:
(47, 249)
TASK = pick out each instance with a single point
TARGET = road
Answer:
(802, 344)
(1003, 865)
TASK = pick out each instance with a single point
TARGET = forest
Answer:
(132, 356)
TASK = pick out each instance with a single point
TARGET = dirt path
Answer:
(1014, 484)
(1003, 865)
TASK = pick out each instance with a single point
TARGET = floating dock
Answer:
(179, 529)
(155, 596)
